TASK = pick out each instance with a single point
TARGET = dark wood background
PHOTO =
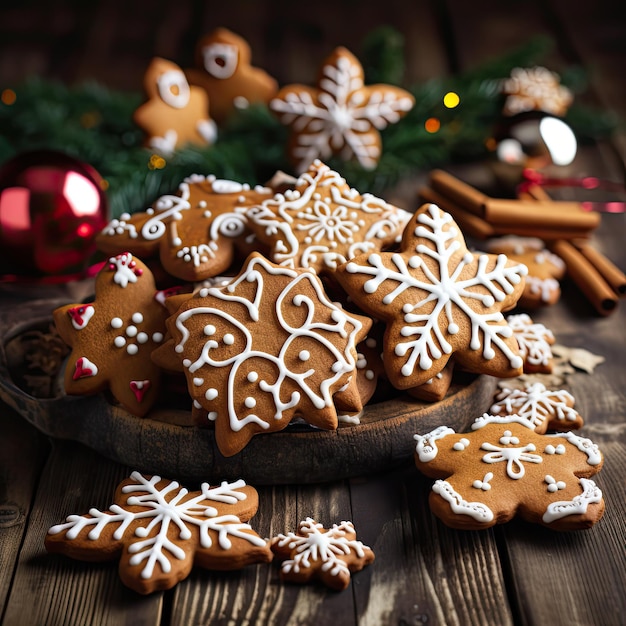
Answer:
(424, 572)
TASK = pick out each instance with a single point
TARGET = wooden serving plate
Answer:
(158, 444)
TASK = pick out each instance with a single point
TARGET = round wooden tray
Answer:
(159, 444)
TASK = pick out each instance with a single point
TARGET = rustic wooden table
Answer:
(424, 572)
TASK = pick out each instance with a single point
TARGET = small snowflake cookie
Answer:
(174, 113)
(545, 269)
(542, 409)
(438, 300)
(267, 347)
(315, 553)
(341, 116)
(504, 468)
(323, 222)
(159, 530)
(535, 341)
(224, 70)
(113, 337)
(195, 232)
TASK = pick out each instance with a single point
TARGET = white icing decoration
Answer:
(484, 483)
(550, 449)
(312, 545)
(477, 510)
(166, 83)
(533, 339)
(123, 265)
(116, 322)
(426, 448)
(594, 456)
(220, 59)
(165, 509)
(120, 226)
(424, 338)
(119, 342)
(131, 331)
(554, 484)
(137, 318)
(545, 287)
(157, 337)
(80, 316)
(514, 457)
(591, 494)
(132, 349)
(461, 444)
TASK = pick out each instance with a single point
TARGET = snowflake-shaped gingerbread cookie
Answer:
(438, 299)
(317, 553)
(159, 530)
(503, 468)
(267, 347)
(341, 116)
(195, 232)
(542, 409)
(112, 338)
(323, 222)
(535, 341)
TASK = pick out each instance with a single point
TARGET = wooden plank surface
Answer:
(424, 572)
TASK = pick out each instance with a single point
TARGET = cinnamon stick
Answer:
(540, 214)
(546, 234)
(586, 276)
(535, 192)
(471, 224)
(615, 278)
(462, 194)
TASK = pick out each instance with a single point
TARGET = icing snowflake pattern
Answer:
(534, 339)
(424, 304)
(323, 222)
(314, 548)
(503, 469)
(154, 518)
(341, 116)
(276, 378)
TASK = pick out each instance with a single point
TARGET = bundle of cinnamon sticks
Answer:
(564, 226)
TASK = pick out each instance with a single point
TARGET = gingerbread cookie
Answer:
(175, 113)
(195, 232)
(545, 269)
(438, 300)
(534, 342)
(436, 388)
(112, 338)
(503, 468)
(265, 348)
(315, 553)
(224, 71)
(341, 116)
(323, 222)
(542, 409)
(160, 530)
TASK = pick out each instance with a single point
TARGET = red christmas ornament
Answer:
(51, 208)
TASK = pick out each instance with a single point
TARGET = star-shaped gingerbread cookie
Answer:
(503, 468)
(112, 337)
(323, 222)
(195, 232)
(174, 113)
(341, 116)
(315, 553)
(438, 299)
(534, 341)
(159, 530)
(268, 346)
(225, 72)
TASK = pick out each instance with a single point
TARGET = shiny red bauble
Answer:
(51, 208)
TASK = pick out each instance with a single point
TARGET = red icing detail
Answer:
(139, 388)
(162, 294)
(77, 314)
(84, 368)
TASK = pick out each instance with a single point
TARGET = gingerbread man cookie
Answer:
(112, 337)
(542, 409)
(159, 530)
(224, 71)
(438, 299)
(534, 342)
(341, 116)
(315, 553)
(265, 348)
(323, 222)
(175, 113)
(545, 269)
(195, 232)
(503, 468)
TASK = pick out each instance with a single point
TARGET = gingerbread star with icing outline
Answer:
(174, 113)
(341, 116)
(112, 337)
(324, 222)
(159, 530)
(503, 468)
(195, 232)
